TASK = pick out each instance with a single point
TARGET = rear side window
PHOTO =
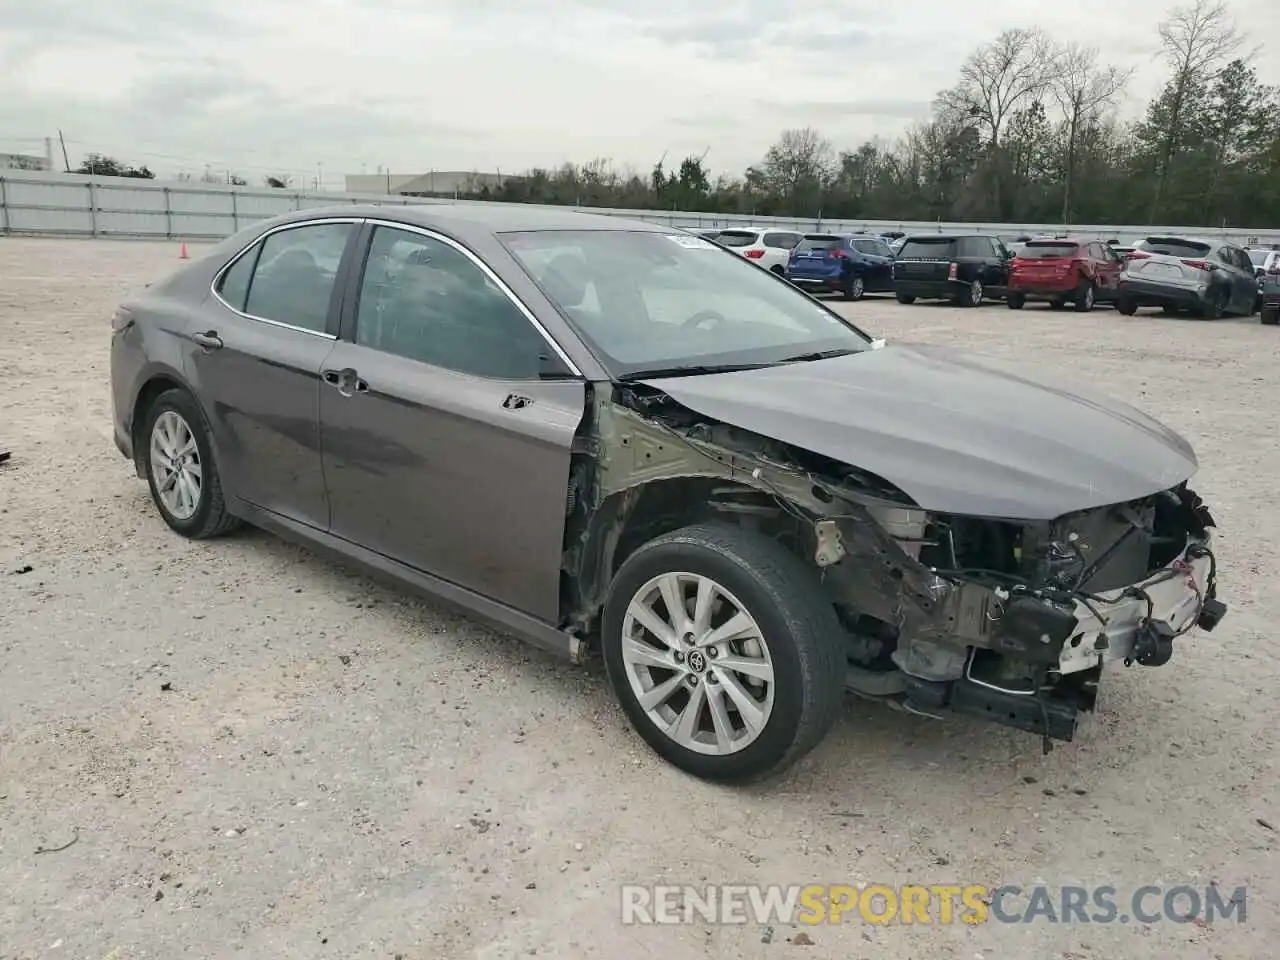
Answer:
(976, 247)
(927, 248)
(234, 285)
(817, 241)
(737, 238)
(1174, 247)
(295, 274)
(1048, 250)
(874, 248)
(783, 241)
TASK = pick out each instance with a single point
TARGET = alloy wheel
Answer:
(698, 664)
(975, 293)
(175, 465)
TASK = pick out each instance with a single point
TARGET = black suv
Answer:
(964, 269)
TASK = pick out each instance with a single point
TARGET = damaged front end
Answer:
(1003, 619)
(1015, 621)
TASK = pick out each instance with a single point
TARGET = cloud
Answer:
(508, 84)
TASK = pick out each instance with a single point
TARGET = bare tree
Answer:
(998, 79)
(1083, 91)
(798, 166)
(1196, 40)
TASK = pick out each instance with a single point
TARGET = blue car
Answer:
(850, 264)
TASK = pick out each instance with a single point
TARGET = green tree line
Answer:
(1030, 132)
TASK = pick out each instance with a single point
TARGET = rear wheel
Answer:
(903, 298)
(1016, 301)
(180, 468)
(1084, 297)
(1127, 306)
(972, 296)
(1215, 302)
(724, 652)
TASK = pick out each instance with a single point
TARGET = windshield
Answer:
(1047, 250)
(1174, 247)
(737, 238)
(917, 248)
(647, 301)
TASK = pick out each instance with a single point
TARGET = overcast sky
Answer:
(262, 85)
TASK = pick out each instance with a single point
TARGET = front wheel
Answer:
(903, 298)
(724, 652)
(1016, 301)
(1127, 306)
(854, 288)
(1214, 304)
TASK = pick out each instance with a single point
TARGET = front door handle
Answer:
(347, 381)
(208, 340)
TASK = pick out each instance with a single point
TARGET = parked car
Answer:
(851, 264)
(965, 269)
(769, 248)
(1208, 278)
(606, 435)
(712, 235)
(1269, 292)
(1264, 260)
(1062, 271)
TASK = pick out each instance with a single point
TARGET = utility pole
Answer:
(62, 140)
(48, 153)
(319, 177)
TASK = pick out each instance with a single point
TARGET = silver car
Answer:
(1206, 278)
(613, 438)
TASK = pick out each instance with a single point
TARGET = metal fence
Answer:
(70, 205)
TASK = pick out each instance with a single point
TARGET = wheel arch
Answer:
(152, 384)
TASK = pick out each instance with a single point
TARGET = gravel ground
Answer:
(258, 753)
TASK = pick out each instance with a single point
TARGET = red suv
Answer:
(1062, 271)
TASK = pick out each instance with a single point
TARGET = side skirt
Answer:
(497, 615)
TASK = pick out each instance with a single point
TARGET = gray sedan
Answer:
(616, 438)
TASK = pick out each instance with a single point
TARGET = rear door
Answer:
(817, 256)
(264, 335)
(877, 263)
(925, 259)
(447, 417)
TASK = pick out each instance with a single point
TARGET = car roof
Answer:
(479, 219)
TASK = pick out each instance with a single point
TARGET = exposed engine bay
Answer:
(1005, 619)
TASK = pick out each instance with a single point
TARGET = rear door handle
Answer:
(208, 340)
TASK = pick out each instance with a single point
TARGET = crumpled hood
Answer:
(958, 434)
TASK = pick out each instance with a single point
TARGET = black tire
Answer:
(972, 295)
(797, 620)
(1016, 301)
(854, 287)
(211, 518)
(1085, 297)
(1270, 316)
(778, 269)
(1214, 304)
(1126, 306)
(903, 298)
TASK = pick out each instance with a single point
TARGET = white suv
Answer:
(769, 248)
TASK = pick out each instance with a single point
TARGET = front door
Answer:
(259, 344)
(447, 422)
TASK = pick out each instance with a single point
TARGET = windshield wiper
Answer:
(819, 355)
(693, 370)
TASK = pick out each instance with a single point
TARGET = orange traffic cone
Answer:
(182, 254)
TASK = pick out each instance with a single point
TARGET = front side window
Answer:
(234, 285)
(295, 274)
(649, 301)
(424, 300)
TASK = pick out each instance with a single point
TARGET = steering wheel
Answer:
(704, 316)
